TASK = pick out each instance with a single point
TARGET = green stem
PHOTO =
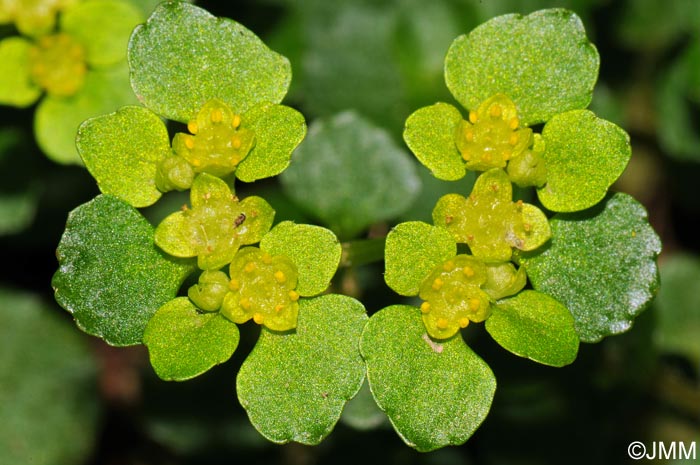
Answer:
(362, 251)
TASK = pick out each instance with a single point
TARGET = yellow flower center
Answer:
(58, 65)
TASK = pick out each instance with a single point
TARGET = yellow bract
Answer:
(218, 140)
(492, 135)
(58, 64)
(453, 296)
(262, 289)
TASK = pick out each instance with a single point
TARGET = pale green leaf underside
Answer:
(294, 385)
(535, 326)
(412, 250)
(542, 61)
(183, 57)
(103, 27)
(57, 119)
(183, 342)
(351, 174)
(121, 150)
(111, 277)
(583, 156)
(430, 134)
(16, 85)
(314, 250)
(48, 385)
(278, 130)
(435, 394)
(601, 264)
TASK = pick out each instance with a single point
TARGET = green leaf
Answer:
(48, 385)
(183, 57)
(542, 61)
(583, 156)
(103, 27)
(435, 394)
(677, 307)
(121, 150)
(184, 343)
(111, 277)
(350, 174)
(314, 250)
(430, 134)
(57, 118)
(16, 85)
(601, 264)
(278, 131)
(535, 326)
(412, 250)
(258, 220)
(294, 385)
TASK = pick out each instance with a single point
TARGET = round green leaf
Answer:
(48, 385)
(535, 326)
(294, 385)
(184, 343)
(435, 394)
(183, 57)
(103, 27)
(16, 85)
(583, 156)
(601, 264)
(430, 134)
(350, 174)
(542, 61)
(678, 306)
(111, 277)
(412, 250)
(57, 119)
(121, 150)
(278, 130)
(314, 250)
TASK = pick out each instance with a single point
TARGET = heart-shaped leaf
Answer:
(542, 61)
(183, 342)
(535, 326)
(294, 385)
(111, 276)
(350, 174)
(435, 394)
(601, 264)
(583, 156)
(183, 57)
(121, 150)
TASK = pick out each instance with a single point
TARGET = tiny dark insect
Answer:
(239, 220)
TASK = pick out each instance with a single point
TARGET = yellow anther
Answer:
(245, 304)
(266, 258)
(189, 142)
(437, 284)
(487, 157)
(236, 142)
(258, 318)
(514, 123)
(495, 110)
(466, 156)
(280, 277)
(196, 162)
(250, 267)
(192, 127)
(448, 265)
(425, 307)
(236, 121)
(463, 322)
(474, 304)
(279, 308)
(469, 135)
(473, 117)
(468, 271)
(442, 323)
(513, 140)
(216, 116)
(507, 154)
(234, 285)
(293, 296)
